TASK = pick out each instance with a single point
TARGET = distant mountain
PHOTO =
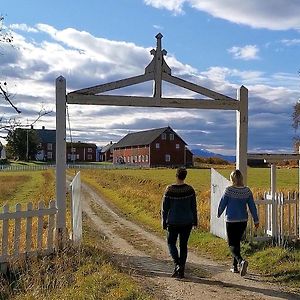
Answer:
(205, 153)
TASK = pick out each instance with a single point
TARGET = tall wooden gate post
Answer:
(61, 159)
(242, 132)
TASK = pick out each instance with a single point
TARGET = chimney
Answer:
(111, 142)
(31, 126)
(43, 127)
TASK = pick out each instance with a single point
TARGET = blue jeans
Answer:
(183, 232)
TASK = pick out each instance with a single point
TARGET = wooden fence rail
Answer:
(27, 232)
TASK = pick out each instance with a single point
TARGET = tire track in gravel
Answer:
(145, 254)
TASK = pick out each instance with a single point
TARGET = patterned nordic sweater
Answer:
(179, 206)
(235, 200)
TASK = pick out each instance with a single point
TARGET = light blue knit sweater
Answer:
(235, 200)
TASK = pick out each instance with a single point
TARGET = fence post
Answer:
(61, 159)
(274, 201)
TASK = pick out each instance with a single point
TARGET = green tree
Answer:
(22, 144)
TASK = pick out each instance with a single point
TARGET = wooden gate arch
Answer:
(157, 71)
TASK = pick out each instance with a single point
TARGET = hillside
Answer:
(205, 153)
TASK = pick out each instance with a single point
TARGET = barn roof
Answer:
(46, 135)
(143, 137)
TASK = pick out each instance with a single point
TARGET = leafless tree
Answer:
(8, 124)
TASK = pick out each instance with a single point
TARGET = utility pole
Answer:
(27, 143)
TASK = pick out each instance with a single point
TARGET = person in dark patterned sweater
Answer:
(235, 200)
(179, 215)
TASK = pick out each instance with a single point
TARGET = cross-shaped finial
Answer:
(158, 46)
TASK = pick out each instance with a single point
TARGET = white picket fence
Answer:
(27, 232)
(8, 168)
(279, 214)
(279, 217)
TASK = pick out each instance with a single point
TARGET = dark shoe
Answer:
(176, 271)
(181, 272)
(244, 266)
(234, 270)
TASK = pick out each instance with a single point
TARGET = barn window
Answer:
(143, 158)
(177, 146)
(168, 157)
(49, 155)
(49, 146)
(163, 136)
(146, 158)
(157, 145)
(90, 150)
(128, 159)
(171, 136)
(139, 158)
(90, 156)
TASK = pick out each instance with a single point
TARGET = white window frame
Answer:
(49, 146)
(157, 146)
(177, 146)
(167, 157)
(163, 136)
(171, 136)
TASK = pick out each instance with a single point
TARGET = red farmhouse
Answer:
(156, 147)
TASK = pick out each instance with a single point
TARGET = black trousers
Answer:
(183, 232)
(235, 231)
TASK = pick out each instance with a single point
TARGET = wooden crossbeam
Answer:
(194, 87)
(115, 84)
(75, 98)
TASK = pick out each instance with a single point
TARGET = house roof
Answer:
(46, 135)
(143, 137)
(81, 145)
(107, 147)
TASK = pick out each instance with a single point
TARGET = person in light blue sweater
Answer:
(235, 201)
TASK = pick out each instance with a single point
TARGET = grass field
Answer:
(23, 187)
(90, 273)
(137, 193)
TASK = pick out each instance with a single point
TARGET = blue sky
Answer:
(220, 44)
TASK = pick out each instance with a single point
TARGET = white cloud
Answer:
(271, 14)
(247, 52)
(85, 60)
(291, 42)
(23, 27)
(173, 5)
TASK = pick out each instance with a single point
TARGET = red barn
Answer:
(83, 152)
(156, 147)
